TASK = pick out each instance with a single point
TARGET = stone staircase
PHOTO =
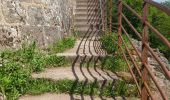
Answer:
(87, 49)
(87, 18)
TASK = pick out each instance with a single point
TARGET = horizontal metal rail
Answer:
(143, 70)
(157, 5)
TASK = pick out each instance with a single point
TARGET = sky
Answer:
(160, 0)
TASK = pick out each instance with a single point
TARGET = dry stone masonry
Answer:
(43, 21)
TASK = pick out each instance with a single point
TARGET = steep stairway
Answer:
(87, 50)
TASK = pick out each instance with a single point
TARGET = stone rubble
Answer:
(156, 69)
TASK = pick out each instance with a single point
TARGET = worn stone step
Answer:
(87, 2)
(76, 73)
(84, 19)
(54, 96)
(85, 10)
(90, 25)
(77, 23)
(86, 28)
(85, 5)
(86, 14)
(88, 18)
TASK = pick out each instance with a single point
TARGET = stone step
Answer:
(84, 19)
(87, 2)
(75, 72)
(85, 5)
(92, 10)
(85, 22)
(92, 25)
(87, 15)
(86, 12)
(54, 96)
(88, 18)
(86, 28)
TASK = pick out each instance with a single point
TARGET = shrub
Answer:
(109, 42)
(13, 79)
(114, 63)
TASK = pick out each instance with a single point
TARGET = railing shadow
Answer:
(90, 37)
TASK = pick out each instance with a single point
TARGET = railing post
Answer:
(110, 19)
(119, 21)
(145, 76)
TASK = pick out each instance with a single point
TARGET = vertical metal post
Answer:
(110, 22)
(145, 76)
(119, 21)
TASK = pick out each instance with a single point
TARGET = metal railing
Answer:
(144, 73)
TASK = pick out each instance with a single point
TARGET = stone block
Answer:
(27, 1)
(9, 36)
(31, 34)
(13, 11)
(42, 1)
(52, 17)
(52, 34)
(35, 16)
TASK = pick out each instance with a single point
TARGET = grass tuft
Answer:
(61, 46)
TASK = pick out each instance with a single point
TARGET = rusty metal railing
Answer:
(143, 70)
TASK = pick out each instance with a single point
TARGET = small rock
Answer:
(2, 97)
(125, 76)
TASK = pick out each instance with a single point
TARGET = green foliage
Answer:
(114, 63)
(62, 45)
(55, 61)
(40, 86)
(13, 79)
(121, 88)
(156, 17)
(18, 65)
(109, 42)
(160, 21)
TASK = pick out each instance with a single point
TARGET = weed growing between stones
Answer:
(17, 66)
(39, 86)
(62, 45)
(114, 61)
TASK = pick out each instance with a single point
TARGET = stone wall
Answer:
(43, 21)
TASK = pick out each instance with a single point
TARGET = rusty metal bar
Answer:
(164, 68)
(156, 83)
(145, 74)
(119, 21)
(134, 63)
(152, 76)
(144, 54)
(160, 36)
(131, 71)
(132, 27)
(139, 55)
(159, 6)
(133, 11)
